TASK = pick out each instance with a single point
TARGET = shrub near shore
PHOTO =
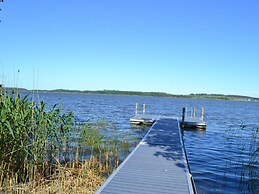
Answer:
(39, 151)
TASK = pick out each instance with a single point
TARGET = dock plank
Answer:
(157, 164)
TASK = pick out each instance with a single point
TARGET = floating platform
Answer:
(143, 119)
(193, 123)
(189, 122)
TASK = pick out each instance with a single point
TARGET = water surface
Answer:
(220, 158)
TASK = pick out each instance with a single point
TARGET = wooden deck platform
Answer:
(143, 119)
(193, 123)
(157, 165)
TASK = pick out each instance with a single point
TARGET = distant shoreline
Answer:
(138, 93)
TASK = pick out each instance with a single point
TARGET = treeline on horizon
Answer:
(139, 93)
(118, 92)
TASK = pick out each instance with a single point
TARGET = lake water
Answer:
(223, 159)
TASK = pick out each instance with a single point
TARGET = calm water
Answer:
(218, 157)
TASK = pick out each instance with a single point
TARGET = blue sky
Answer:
(172, 46)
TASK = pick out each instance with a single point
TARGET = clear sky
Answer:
(173, 46)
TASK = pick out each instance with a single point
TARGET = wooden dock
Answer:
(143, 119)
(191, 122)
(157, 165)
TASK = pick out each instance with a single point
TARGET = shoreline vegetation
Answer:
(46, 151)
(138, 93)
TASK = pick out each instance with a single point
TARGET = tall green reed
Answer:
(99, 144)
(250, 174)
(244, 163)
(36, 142)
(29, 137)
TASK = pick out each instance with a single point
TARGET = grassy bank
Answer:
(46, 151)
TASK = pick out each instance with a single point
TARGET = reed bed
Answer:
(45, 151)
(245, 163)
(84, 178)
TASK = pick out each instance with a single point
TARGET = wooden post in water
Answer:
(202, 113)
(194, 112)
(136, 110)
(144, 109)
(183, 117)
